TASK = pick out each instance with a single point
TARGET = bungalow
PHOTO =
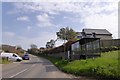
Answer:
(12, 49)
(8, 48)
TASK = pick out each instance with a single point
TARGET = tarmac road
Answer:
(34, 68)
(37, 68)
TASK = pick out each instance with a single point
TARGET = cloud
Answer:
(56, 7)
(102, 17)
(23, 18)
(44, 20)
(92, 14)
(29, 28)
(9, 34)
(40, 40)
(51, 8)
(73, 19)
(109, 22)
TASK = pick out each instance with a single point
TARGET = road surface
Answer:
(36, 67)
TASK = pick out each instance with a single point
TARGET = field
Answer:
(104, 66)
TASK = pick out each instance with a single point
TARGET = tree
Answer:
(33, 46)
(33, 50)
(50, 44)
(66, 34)
(18, 47)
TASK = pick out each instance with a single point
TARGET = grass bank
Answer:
(105, 66)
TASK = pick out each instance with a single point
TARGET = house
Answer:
(8, 48)
(103, 34)
(12, 49)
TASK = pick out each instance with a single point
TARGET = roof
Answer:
(86, 40)
(97, 31)
(11, 49)
(62, 48)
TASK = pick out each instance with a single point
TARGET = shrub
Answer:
(107, 49)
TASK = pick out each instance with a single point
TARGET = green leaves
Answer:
(66, 33)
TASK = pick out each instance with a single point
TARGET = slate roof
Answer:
(97, 31)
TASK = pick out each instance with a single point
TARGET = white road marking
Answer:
(22, 71)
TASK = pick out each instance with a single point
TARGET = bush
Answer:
(111, 48)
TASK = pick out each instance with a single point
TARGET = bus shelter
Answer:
(85, 48)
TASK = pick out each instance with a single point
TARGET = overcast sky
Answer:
(25, 23)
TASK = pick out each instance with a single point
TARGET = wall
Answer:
(104, 37)
(57, 55)
(109, 43)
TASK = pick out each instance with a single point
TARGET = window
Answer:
(89, 46)
(14, 55)
(96, 44)
(75, 45)
(76, 48)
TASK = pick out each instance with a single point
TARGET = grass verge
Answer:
(4, 61)
(105, 66)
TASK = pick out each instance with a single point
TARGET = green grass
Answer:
(4, 61)
(104, 66)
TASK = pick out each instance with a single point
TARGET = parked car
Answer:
(11, 56)
(26, 57)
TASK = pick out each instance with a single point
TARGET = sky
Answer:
(26, 23)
